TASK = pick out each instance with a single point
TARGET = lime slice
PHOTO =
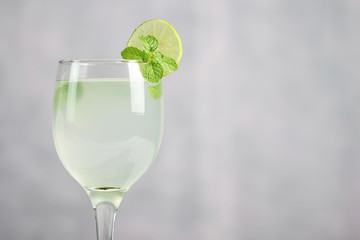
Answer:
(169, 40)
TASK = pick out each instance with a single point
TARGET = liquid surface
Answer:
(106, 131)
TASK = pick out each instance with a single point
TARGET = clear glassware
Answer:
(107, 130)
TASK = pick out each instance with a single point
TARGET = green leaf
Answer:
(153, 72)
(132, 53)
(155, 91)
(145, 56)
(149, 43)
(158, 56)
(168, 64)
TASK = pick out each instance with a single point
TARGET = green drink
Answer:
(106, 131)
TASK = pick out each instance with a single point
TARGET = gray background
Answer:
(262, 129)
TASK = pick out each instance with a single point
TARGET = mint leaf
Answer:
(145, 56)
(153, 72)
(155, 91)
(132, 53)
(168, 64)
(149, 43)
(158, 56)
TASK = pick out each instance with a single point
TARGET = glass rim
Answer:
(105, 60)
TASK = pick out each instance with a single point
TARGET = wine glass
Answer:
(107, 128)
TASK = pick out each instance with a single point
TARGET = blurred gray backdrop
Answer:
(262, 122)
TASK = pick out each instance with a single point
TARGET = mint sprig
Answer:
(157, 64)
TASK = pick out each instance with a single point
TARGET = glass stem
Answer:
(105, 213)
